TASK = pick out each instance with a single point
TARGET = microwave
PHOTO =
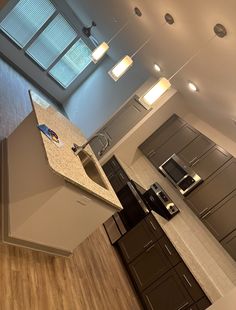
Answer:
(184, 178)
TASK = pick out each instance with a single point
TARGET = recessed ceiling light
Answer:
(157, 68)
(193, 87)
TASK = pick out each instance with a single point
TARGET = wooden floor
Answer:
(93, 278)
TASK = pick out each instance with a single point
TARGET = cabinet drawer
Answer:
(149, 266)
(154, 226)
(169, 251)
(189, 282)
(167, 293)
(136, 241)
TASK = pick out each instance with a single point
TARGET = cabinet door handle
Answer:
(203, 211)
(147, 244)
(121, 175)
(153, 226)
(187, 280)
(205, 215)
(183, 306)
(193, 160)
(150, 248)
(150, 154)
(167, 249)
(136, 108)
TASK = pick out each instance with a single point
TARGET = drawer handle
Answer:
(168, 250)
(153, 226)
(183, 306)
(151, 153)
(187, 280)
(146, 245)
(150, 248)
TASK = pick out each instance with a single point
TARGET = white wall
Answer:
(98, 98)
(127, 151)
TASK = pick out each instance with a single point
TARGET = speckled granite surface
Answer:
(62, 160)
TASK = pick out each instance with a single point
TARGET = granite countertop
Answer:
(62, 160)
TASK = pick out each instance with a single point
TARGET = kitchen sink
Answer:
(91, 168)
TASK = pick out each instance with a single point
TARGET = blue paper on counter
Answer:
(45, 130)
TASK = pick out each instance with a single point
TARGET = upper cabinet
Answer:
(211, 161)
(194, 150)
(214, 190)
(169, 139)
(120, 124)
(161, 135)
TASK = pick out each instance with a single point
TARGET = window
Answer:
(72, 63)
(52, 42)
(41, 31)
(25, 19)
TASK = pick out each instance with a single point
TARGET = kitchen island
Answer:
(49, 201)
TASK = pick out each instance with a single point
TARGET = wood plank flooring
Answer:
(92, 279)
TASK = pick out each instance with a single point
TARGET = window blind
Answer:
(72, 64)
(52, 41)
(25, 19)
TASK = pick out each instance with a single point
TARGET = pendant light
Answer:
(163, 84)
(102, 49)
(126, 62)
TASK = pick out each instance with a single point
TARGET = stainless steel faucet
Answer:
(77, 149)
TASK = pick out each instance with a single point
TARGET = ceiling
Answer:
(213, 69)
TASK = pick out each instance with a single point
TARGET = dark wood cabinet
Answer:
(174, 144)
(149, 266)
(229, 243)
(115, 174)
(211, 161)
(120, 124)
(221, 220)
(161, 135)
(194, 150)
(169, 250)
(214, 190)
(189, 282)
(167, 293)
(137, 240)
(160, 277)
(203, 303)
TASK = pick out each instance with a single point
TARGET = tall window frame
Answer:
(6, 10)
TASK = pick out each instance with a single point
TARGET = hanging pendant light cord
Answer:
(191, 58)
(119, 31)
(145, 43)
(141, 47)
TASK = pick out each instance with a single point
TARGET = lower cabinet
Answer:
(138, 239)
(150, 265)
(161, 278)
(115, 174)
(167, 293)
